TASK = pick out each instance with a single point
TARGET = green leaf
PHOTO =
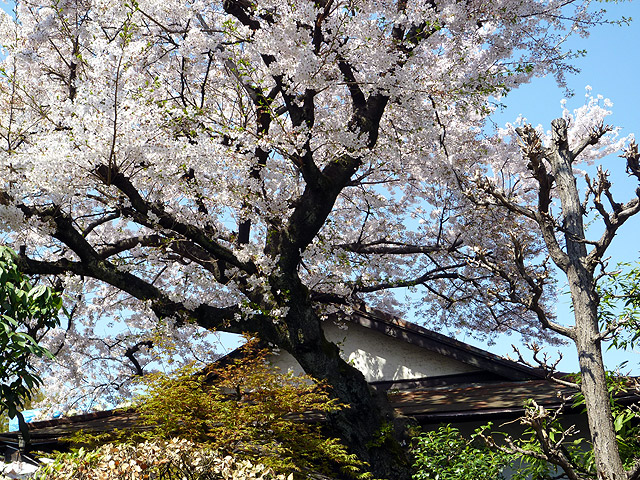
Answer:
(21, 308)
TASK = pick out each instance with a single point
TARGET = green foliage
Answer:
(626, 419)
(444, 454)
(25, 313)
(384, 437)
(545, 433)
(36, 396)
(541, 422)
(619, 310)
(244, 409)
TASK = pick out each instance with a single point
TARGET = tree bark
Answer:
(367, 424)
(363, 424)
(585, 301)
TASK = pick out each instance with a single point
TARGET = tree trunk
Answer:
(367, 424)
(594, 383)
(585, 301)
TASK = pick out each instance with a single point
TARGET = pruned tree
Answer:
(253, 166)
(540, 186)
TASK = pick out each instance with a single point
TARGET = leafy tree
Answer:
(550, 448)
(619, 308)
(255, 166)
(26, 313)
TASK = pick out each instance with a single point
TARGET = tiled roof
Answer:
(53, 431)
(451, 403)
(477, 400)
(498, 389)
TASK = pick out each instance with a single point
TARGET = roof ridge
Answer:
(397, 322)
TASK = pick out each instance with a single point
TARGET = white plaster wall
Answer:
(380, 357)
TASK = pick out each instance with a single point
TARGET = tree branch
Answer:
(216, 318)
(92, 265)
(168, 221)
(595, 134)
(387, 247)
(440, 273)
(101, 221)
(125, 244)
(132, 350)
(536, 288)
(533, 151)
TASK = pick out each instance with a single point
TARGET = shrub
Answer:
(26, 313)
(444, 454)
(153, 460)
(244, 409)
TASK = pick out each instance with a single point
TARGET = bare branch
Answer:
(536, 289)
(440, 273)
(633, 160)
(626, 211)
(550, 369)
(132, 350)
(533, 151)
(536, 417)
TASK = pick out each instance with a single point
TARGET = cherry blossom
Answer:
(185, 166)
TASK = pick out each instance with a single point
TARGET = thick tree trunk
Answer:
(367, 424)
(362, 424)
(594, 389)
(582, 285)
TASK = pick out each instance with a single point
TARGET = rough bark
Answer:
(361, 424)
(585, 302)
(564, 236)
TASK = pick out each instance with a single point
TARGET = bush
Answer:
(26, 313)
(244, 409)
(153, 460)
(444, 454)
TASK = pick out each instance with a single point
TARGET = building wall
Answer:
(380, 357)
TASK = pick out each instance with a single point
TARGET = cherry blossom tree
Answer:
(186, 166)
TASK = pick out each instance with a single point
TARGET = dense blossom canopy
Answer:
(186, 164)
